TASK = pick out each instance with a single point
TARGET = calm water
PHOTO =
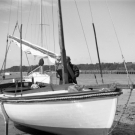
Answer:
(83, 79)
(87, 79)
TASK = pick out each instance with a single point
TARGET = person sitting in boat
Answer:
(41, 64)
(73, 70)
(59, 69)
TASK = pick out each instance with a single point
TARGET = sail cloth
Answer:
(35, 50)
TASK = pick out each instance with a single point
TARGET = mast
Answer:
(41, 28)
(96, 43)
(98, 52)
(62, 45)
(21, 56)
(41, 23)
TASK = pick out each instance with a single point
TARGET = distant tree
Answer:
(105, 66)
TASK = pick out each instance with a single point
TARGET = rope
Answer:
(124, 109)
(53, 25)
(84, 37)
(118, 43)
(53, 32)
(9, 15)
(4, 63)
(28, 19)
(7, 49)
(47, 46)
(96, 41)
(17, 10)
(128, 77)
(83, 30)
(21, 11)
(26, 33)
(68, 97)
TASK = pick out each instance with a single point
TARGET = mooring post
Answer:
(6, 127)
(6, 118)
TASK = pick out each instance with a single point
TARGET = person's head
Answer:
(58, 58)
(68, 59)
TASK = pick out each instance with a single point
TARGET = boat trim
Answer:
(60, 97)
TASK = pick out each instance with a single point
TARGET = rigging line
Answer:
(37, 27)
(128, 77)
(47, 46)
(96, 42)
(9, 15)
(7, 48)
(28, 19)
(38, 37)
(26, 32)
(83, 31)
(4, 63)
(21, 11)
(17, 10)
(124, 109)
(31, 22)
(45, 28)
(85, 38)
(53, 32)
(53, 25)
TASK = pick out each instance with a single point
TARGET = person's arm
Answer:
(76, 71)
(57, 75)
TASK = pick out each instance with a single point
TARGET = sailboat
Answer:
(37, 75)
(66, 109)
(35, 50)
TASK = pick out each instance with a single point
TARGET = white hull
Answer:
(93, 116)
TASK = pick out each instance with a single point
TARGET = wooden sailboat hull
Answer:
(90, 116)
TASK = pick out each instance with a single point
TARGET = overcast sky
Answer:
(77, 39)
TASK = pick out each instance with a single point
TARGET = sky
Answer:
(114, 22)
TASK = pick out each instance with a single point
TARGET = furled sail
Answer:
(33, 49)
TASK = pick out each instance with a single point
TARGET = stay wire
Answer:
(9, 16)
(4, 64)
(131, 89)
(128, 77)
(53, 24)
(53, 30)
(96, 41)
(84, 36)
(124, 109)
(17, 10)
(28, 19)
(26, 32)
(83, 30)
(47, 41)
(8, 46)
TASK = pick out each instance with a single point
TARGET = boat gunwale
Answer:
(60, 97)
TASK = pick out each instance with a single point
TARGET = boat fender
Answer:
(35, 86)
(75, 88)
(113, 87)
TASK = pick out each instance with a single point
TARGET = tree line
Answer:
(105, 66)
